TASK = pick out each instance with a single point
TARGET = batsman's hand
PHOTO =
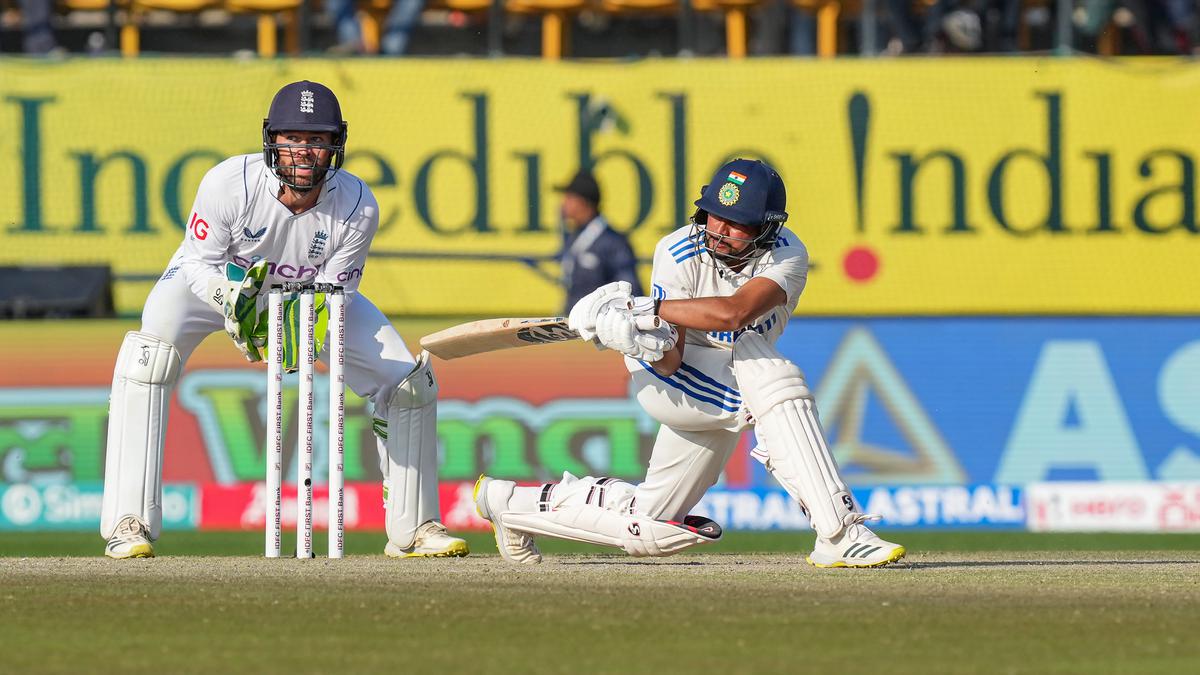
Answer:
(587, 312)
(641, 305)
(620, 330)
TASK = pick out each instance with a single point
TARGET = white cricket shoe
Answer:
(431, 541)
(855, 546)
(131, 539)
(491, 498)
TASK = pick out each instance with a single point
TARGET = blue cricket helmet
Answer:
(304, 106)
(748, 192)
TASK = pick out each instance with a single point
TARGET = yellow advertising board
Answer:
(1014, 186)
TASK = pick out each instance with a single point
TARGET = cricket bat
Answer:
(489, 335)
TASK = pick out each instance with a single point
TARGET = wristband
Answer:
(657, 305)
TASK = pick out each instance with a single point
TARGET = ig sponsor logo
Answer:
(198, 227)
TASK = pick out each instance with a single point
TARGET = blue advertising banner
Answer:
(926, 506)
(1005, 401)
(76, 506)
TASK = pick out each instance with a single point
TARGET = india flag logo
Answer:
(735, 177)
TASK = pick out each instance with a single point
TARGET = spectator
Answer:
(593, 254)
(35, 26)
(912, 34)
(1156, 26)
(1002, 22)
(954, 25)
(397, 28)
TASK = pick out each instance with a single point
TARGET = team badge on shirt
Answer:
(317, 247)
(729, 194)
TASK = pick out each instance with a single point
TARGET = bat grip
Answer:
(647, 322)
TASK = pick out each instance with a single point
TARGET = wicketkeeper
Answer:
(288, 214)
(726, 285)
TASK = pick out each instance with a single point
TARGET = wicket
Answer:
(306, 342)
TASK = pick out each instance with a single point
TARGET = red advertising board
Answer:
(242, 507)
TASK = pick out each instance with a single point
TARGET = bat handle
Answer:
(647, 322)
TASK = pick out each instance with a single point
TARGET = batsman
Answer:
(287, 214)
(724, 287)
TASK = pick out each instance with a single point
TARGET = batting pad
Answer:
(785, 416)
(146, 371)
(638, 536)
(411, 467)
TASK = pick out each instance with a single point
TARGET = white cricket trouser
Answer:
(377, 361)
(700, 410)
(683, 466)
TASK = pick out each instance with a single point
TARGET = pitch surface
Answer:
(1020, 611)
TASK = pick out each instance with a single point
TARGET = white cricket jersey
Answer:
(684, 269)
(238, 218)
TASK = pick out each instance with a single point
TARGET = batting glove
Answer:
(587, 312)
(618, 330)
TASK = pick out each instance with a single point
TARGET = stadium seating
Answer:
(735, 22)
(269, 11)
(556, 24)
(828, 13)
(374, 14)
(131, 30)
(736, 34)
(833, 19)
(88, 5)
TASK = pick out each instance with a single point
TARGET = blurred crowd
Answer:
(645, 27)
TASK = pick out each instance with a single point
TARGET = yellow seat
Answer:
(828, 13)
(556, 26)
(460, 5)
(640, 6)
(374, 13)
(370, 23)
(734, 11)
(130, 33)
(735, 22)
(89, 5)
(268, 12)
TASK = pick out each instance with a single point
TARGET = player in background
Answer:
(726, 285)
(287, 214)
(593, 253)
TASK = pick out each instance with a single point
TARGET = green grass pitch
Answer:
(969, 602)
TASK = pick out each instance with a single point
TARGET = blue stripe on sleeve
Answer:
(679, 244)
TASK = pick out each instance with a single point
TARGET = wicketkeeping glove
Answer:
(291, 330)
(241, 306)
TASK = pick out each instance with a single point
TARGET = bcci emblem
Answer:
(729, 194)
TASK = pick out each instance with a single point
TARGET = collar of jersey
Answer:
(327, 186)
